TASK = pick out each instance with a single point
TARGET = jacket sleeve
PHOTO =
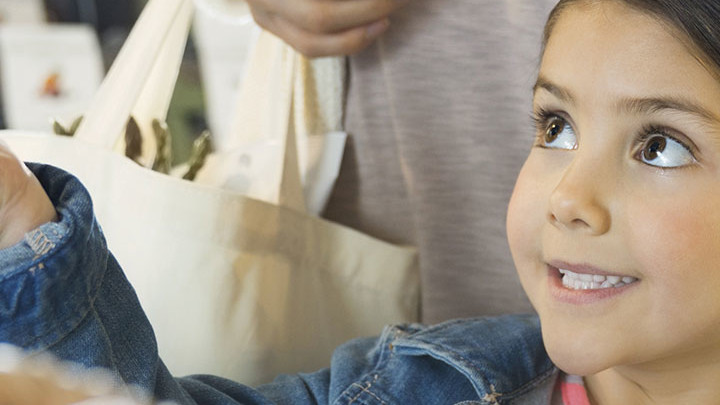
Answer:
(351, 363)
(63, 292)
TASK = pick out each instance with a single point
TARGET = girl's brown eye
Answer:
(654, 146)
(554, 132)
(555, 128)
(661, 150)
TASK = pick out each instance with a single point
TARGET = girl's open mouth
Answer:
(583, 284)
(586, 281)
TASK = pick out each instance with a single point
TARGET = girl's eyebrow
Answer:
(554, 89)
(657, 104)
(631, 105)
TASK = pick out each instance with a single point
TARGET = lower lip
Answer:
(581, 297)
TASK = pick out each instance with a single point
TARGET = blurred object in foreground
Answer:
(43, 380)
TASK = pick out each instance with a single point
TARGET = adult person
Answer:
(435, 115)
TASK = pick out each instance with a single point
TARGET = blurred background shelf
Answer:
(112, 20)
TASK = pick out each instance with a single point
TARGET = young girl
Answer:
(614, 224)
(614, 227)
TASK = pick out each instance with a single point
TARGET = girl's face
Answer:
(614, 224)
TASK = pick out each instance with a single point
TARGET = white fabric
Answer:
(232, 285)
(222, 32)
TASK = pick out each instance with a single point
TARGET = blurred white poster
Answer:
(22, 12)
(47, 72)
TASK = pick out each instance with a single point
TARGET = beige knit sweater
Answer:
(439, 117)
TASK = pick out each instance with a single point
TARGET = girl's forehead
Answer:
(611, 22)
(610, 49)
(618, 12)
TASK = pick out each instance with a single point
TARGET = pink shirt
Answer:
(570, 390)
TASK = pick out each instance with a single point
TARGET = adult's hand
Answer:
(24, 205)
(325, 27)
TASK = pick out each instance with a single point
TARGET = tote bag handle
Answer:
(264, 110)
(142, 77)
(287, 97)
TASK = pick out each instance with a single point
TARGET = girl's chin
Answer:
(574, 365)
(574, 356)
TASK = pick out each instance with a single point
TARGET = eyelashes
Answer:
(543, 121)
(540, 117)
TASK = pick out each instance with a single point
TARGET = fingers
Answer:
(329, 16)
(316, 45)
(325, 27)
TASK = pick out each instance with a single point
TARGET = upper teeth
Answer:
(576, 281)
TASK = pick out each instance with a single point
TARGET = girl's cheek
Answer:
(526, 212)
(669, 238)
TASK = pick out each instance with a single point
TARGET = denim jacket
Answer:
(62, 291)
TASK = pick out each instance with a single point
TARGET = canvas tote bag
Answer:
(233, 286)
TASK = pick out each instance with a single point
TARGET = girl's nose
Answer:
(576, 203)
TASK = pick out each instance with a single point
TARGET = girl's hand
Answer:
(325, 27)
(23, 203)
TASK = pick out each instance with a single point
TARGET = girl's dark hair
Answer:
(698, 20)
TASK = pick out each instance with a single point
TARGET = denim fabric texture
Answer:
(62, 292)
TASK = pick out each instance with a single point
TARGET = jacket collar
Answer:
(503, 357)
